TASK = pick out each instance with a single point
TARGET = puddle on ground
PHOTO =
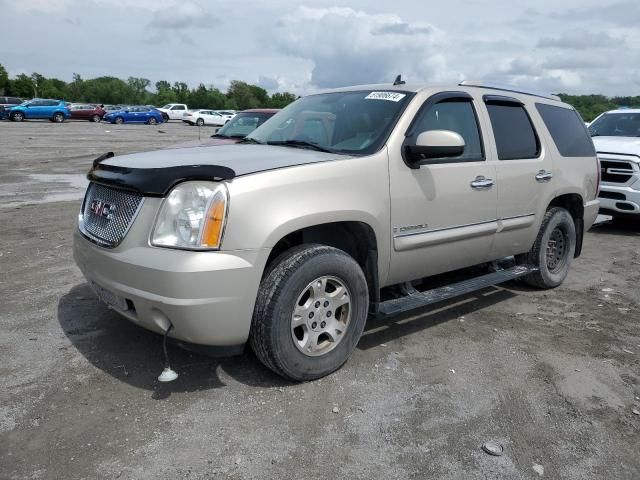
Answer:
(43, 188)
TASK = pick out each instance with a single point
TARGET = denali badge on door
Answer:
(102, 209)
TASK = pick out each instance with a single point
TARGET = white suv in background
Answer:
(616, 136)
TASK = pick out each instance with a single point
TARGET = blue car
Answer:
(134, 114)
(52, 110)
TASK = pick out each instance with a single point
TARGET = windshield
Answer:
(355, 122)
(616, 125)
(243, 124)
(167, 106)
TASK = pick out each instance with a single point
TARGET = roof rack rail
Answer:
(507, 88)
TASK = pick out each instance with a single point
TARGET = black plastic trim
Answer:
(501, 100)
(153, 182)
(449, 96)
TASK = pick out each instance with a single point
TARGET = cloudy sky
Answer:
(573, 46)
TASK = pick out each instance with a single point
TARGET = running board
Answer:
(417, 299)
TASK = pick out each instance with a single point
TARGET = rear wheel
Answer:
(96, 118)
(552, 251)
(152, 121)
(119, 120)
(17, 116)
(200, 122)
(57, 117)
(310, 312)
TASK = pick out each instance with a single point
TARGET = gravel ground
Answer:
(552, 376)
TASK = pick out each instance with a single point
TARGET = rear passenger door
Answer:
(524, 174)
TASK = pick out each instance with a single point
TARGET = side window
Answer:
(567, 130)
(178, 107)
(457, 116)
(36, 103)
(513, 131)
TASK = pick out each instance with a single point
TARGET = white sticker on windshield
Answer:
(391, 96)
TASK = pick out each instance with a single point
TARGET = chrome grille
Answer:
(107, 214)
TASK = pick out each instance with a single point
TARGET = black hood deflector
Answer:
(153, 182)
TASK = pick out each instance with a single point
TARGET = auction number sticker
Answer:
(391, 96)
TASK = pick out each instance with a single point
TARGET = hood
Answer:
(243, 159)
(618, 145)
(155, 173)
(205, 142)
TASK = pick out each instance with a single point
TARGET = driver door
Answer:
(443, 211)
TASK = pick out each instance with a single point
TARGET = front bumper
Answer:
(615, 199)
(207, 296)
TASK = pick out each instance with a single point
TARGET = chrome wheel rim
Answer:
(321, 316)
(556, 250)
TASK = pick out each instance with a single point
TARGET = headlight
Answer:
(192, 217)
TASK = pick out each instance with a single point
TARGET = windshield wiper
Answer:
(250, 140)
(300, 144)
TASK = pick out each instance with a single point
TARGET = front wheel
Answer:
(96, 118)
(152, 121)
(119, 120)
(17, 117)
(552, 251)
(310, 312)
(57, 117)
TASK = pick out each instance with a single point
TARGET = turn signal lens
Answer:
(213, 223)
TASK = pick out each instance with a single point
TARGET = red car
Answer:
(241, 125)
(93, 113)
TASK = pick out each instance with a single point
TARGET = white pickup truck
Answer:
(616, 136)
(173, 111)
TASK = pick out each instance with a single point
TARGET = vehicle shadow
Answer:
(625, 227)
(384, 330)
(134, 355)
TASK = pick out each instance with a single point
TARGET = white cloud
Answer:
(350, 46)
(182, 16)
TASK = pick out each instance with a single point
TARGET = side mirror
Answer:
(435, 144)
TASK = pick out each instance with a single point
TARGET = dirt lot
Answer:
(553, 376)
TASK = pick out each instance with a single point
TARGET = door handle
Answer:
(482, 183)
(544, 176)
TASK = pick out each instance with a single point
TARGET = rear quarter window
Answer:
(567, 130)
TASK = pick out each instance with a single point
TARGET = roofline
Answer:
(507, 88)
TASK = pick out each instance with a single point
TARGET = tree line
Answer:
(239, 96)
(135, 91)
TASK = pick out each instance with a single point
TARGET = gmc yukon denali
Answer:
(343, 206)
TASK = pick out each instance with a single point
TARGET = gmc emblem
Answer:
(102, 209)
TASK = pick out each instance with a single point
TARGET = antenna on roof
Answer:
(399, 81)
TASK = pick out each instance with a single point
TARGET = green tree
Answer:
(164, 94)
(138, 88)
(246, 96)
(281, 100)
(54, 88)
(4, 81)
(181, 91)
(22, 86)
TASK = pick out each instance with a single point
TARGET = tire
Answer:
(200, 122)
(58, 117)
(296, 347)
(96, 118)
(119, 120)
(152, 121)
(16, 117)
(165, 117)
(552, 251)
